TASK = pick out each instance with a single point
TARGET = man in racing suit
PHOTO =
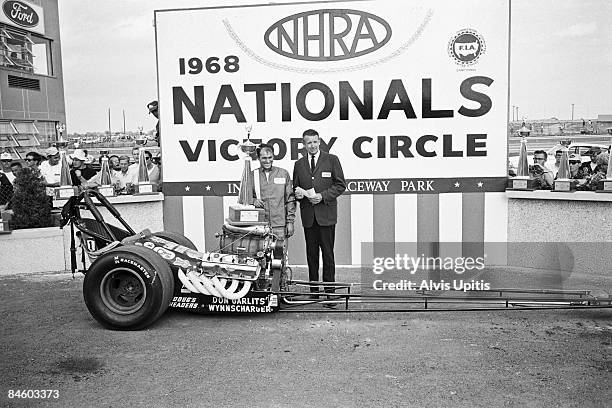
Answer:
(273, 192)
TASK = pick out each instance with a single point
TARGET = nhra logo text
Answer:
(327, 35)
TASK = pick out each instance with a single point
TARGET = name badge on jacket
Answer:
(279, 180)
(326, 174)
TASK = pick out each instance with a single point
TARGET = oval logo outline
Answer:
(294, 17)
(8, 7)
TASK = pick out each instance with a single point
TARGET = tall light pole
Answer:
(517, 114)
(572, 112)
(513, 113)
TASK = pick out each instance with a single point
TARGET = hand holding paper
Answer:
(300, 193)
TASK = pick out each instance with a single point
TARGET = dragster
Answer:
(132, 278)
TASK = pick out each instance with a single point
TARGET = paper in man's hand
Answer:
(310, 193)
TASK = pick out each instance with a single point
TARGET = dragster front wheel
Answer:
(128, 288)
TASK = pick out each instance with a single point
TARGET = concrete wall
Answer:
(561, 234)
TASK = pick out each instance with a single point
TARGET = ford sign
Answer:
(20, 13)
(327, 35)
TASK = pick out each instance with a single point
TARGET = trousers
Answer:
(320, 238)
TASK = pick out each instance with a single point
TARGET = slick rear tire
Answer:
(128, 288)
(176, 238)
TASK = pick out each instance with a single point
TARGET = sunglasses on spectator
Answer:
(538, 158)
(29, 160)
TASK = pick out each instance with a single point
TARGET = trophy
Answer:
(522, 181)
(106, 187)
(65, 189)
(563, 181)
(245, 213)
(144, 186)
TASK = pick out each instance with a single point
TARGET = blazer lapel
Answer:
(318, 164)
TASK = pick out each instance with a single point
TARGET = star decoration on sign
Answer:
(208, 188)
(480, 184)
(457, 184)
(187, 188)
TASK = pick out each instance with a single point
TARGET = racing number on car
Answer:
(91, 244)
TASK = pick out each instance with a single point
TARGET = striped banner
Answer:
(425, 220)
(356, 186)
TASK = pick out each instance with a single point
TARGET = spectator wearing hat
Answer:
(153, 107)
(5, 166)
(80, 173)
(88, 159)
(574, 166)
(51, 169)
(590, 167)
(601, 162)
(578, 179)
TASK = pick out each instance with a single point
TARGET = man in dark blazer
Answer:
(322, 172)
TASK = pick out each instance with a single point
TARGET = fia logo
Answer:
(466, 47)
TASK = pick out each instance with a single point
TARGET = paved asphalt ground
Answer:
(49, 341)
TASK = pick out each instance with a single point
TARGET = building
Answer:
(31, 82)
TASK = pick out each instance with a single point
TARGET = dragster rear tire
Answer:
(176, 238)
(128, 288)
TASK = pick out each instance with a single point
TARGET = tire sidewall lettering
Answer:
(121, 261)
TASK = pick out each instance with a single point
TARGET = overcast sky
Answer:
(560, 54)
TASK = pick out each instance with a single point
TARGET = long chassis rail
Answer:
(492, 299)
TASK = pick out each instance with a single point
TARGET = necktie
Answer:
(312, 163)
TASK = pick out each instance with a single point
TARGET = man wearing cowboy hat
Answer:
(80, 173)
(51, 169)
(5, 162)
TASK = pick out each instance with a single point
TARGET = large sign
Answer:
(411, 96)
(24, 15)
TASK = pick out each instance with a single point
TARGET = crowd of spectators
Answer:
(83, 172)
(584, 176)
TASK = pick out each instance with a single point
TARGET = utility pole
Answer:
(517, 114)
(124, 121)
(109, 123)
(572, 112)
(513, 113)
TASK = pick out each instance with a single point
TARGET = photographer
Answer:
(538, 171)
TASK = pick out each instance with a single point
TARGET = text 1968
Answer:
(212, 65)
